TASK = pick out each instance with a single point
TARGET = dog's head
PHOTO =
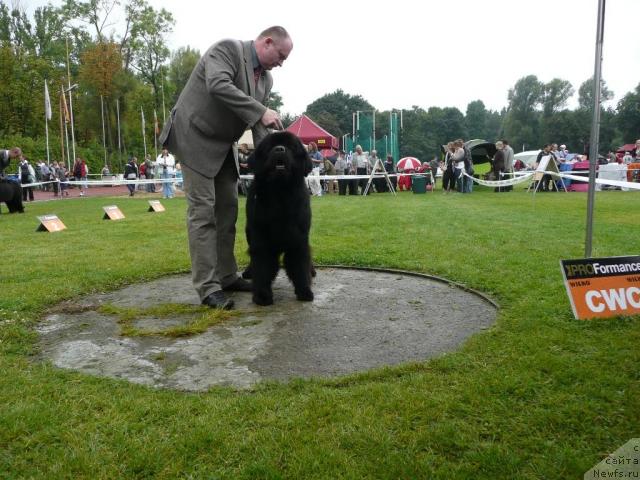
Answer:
(280, 155)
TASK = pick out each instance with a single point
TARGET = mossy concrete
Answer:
(360, 319)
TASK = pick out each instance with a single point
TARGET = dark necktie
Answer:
(256, 74)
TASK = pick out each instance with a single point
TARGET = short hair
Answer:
(505, 141)
(275, 31)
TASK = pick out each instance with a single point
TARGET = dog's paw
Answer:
(304, 295)
(262, 299)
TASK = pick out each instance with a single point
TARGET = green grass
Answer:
(197, 319)
(539, 395)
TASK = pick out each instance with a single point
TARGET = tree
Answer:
(585, 94)
(149, 48)
(476, 119)
(182, 63)
(274, 101)
(628, 116)
(92, 12)
(521, 124)
(555, 96)
(341, 105)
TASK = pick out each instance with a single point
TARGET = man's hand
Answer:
(271, 119)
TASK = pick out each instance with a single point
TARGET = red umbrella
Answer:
(408, 163)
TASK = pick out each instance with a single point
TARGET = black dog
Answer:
(11, 194)
(279, 216)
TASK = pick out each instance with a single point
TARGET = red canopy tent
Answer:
(629, 147)
(309, 131)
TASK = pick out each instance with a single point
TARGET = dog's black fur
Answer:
(11, 194)
(279, 216)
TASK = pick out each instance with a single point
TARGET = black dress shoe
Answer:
(218, 300)
(239, 285)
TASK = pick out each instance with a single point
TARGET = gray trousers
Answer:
(211, 225)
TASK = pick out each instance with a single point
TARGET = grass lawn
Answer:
(539, 395)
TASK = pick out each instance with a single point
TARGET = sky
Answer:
(402, 53)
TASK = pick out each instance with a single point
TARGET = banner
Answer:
(47, 101)
(603, 287)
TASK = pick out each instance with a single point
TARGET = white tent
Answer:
(247, 137)
(529, 157)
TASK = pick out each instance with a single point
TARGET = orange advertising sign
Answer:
(155, 206)
(50, 223)
(112, 212)
(603, 287)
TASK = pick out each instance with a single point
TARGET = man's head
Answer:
(15, 152)
(273, 46)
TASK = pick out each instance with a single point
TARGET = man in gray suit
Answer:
(225, 95)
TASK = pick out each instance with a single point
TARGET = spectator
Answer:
(627, 159)
(362, 166)
(390, 168)
(243, 164)
(178, 176)
(27, 175)
(166, 167)
(497, 165)
(448, 176)
(80, 172)
(508, 162)
(61, 173)
(313, 179)
(149, 174)
(342, 168)
(131, 173)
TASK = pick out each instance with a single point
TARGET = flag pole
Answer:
(155, 131)
(61, 135)
(47, 117)
(144, 139)
(104, 137)
(73, 135)
(119, 142)
(63, 99)
(595, 129)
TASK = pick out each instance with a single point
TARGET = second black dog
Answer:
(279, 216)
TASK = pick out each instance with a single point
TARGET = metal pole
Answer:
(164, 118)
(60, 114)
(104, 137)
(373, 131)
(73, 135)
(144, 139)
(119, 143)
(595, 129)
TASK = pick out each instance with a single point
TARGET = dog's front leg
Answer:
(264, 268)
(297, 263)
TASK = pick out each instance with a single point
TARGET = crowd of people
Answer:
(54, 177)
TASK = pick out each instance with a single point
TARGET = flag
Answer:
(155, 123)
(63, 105)
(47, 102)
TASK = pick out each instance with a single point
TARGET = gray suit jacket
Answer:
(218, 103)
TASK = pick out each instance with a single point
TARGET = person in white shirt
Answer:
(165, 163)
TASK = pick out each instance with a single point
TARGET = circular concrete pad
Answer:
(360, 319)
